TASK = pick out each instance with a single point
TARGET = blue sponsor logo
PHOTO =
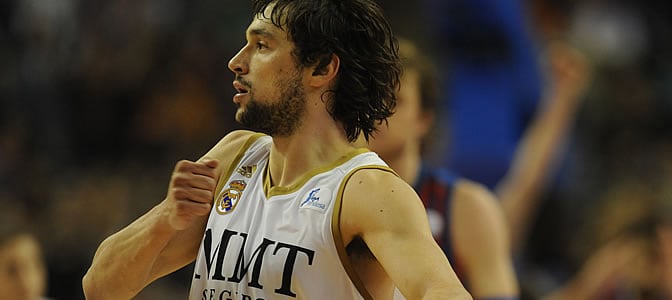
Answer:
(313, 200)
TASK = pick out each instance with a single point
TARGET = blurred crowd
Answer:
(99, 99)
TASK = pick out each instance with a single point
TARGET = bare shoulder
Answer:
(474, 199)
(376, 199)
(374, 180)
(377, 187)
(477, 214)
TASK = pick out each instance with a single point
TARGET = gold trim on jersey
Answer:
(338, 236)
(271, 191)
(234, 164)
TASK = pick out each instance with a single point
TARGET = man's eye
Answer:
(260, 45)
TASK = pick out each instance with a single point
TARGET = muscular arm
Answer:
(387, 214)
(480, 240)
(167, 237)
(128, 261)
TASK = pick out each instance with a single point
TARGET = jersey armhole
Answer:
(338, 236)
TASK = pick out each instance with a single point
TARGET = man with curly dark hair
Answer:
(292, 209)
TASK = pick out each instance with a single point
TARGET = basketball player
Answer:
(299, 212)
(465, 217)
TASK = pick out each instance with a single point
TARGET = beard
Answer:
(280, 118)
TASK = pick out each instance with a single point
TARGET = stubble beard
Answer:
(278, 119)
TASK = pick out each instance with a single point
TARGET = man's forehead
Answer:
(263, 26)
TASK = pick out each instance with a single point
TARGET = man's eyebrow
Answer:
(261, 32)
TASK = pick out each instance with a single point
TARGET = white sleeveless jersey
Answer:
(280, 242)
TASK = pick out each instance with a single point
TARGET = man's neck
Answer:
(309, 148)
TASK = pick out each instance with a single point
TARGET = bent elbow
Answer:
(94, 289)
(88, 287)
(96, 286)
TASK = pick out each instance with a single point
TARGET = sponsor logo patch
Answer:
(247, 171)
(317, 199)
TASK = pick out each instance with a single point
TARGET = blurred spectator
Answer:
(22, 268)
(540, 151)
(87, 90)
(619, 125)
(625, 252)
(84, 205)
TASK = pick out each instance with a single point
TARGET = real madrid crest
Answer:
(228, 199)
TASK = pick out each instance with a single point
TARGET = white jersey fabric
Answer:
(265, 242)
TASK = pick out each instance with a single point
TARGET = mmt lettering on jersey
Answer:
(251, 267)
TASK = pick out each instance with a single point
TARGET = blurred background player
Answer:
(465, 217)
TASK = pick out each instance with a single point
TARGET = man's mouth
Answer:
(240, 88)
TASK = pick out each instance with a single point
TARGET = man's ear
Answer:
(325, 71)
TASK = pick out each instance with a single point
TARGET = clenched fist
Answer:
(190, 192)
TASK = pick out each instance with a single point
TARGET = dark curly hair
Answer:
(357, 32)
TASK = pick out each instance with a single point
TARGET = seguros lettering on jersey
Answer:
(215, 256)
(214, 294)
